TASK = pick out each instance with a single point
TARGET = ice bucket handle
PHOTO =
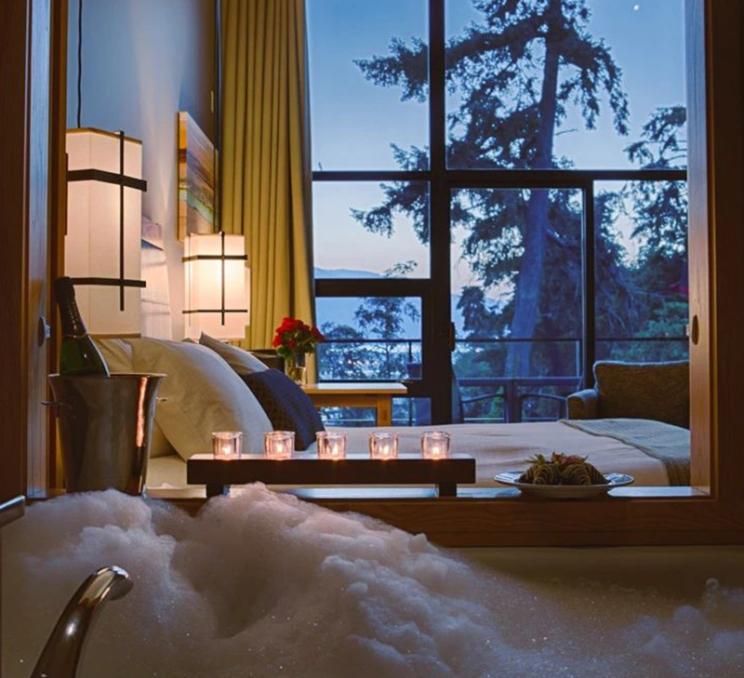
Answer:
(55, 405)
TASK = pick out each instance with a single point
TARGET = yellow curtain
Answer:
(265, 156)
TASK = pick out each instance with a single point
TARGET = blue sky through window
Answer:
(354, 121)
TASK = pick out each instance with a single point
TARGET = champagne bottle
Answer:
(78, 355)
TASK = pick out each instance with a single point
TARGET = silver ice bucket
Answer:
(105, 426)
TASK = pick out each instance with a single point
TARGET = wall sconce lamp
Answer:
(217, 285)
(104, 215)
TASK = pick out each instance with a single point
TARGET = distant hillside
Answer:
(344, 273)
(340, 310)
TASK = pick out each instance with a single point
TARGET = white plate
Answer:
(564, 491)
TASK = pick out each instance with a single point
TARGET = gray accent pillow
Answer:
(658, 391)
(243, 362)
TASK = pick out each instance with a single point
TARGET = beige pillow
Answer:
(243, 362)
(117, 353)
(201, 394)
(159, 445)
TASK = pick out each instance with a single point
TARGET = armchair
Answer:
(583, 404)
(658, 391)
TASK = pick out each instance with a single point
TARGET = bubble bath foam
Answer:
(262, 584)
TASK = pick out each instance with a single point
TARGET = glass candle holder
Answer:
(435, 445)
(227, 444)
(383, 445)
(331, 445)
(279, 444)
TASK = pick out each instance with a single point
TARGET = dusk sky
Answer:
(354, 121)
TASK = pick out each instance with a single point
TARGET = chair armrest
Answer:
(583, 404)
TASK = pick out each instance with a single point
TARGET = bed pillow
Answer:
(243, 362)
(159, 445)
(658, 391)
(289, 408)
(117, 353)
(201, 394)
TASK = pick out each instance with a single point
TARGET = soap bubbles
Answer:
(261, 584)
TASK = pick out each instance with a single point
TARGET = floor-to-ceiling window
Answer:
(499, 187)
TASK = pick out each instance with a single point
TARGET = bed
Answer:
(505, 447)
(207, 390)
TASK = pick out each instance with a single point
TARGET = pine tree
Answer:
(660, 223)
(515, 74)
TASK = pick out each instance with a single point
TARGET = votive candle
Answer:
(227, 444)
(435, 445)
(331, 445)
(383, 445)
(279, 444)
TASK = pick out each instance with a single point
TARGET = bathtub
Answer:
(262, 584)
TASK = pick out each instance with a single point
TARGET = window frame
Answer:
(711, 510)
(437, 336)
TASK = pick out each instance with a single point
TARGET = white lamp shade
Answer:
(217, 286)
(92, 243)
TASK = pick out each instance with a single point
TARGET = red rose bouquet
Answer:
(293, 338)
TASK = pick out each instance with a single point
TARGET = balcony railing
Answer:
(502, 398)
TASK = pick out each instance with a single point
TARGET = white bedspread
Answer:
(496, 448)
(505, 447)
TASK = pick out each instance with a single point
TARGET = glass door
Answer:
(517, 302)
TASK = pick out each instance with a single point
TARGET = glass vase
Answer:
(296, 369)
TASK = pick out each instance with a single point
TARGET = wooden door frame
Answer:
(30, 45)
(58, 212)
(13, 79)
(14, 20)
